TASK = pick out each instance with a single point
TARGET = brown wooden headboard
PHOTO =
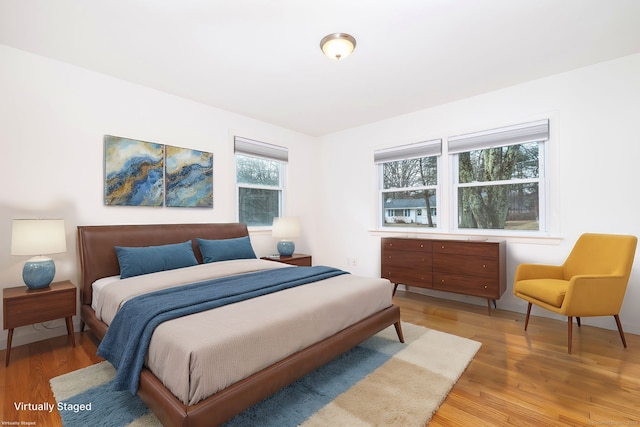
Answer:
(98, 257)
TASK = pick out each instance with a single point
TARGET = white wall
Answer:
(53, 117)
(595, 133)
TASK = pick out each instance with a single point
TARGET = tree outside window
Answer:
(499, 188)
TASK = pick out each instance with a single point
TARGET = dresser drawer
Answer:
(466, 247)
(466, 265)
(407, 276)
(410, 245)
(476, 286)
(406, 259)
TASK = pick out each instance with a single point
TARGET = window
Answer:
(408, 182)
(260, 179)
(499, 178)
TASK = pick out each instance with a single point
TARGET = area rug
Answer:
(380, 382)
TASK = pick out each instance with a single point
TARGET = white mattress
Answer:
(198, 355)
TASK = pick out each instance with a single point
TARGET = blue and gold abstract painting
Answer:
(133, 172)
(188, 178)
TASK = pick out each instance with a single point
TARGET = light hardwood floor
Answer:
(517, 378)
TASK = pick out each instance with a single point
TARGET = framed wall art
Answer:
(188, 177)
(133, 172)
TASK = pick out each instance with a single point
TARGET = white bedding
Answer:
(111, 292)
(195, 356)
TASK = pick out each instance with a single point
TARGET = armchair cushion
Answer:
(550, 291)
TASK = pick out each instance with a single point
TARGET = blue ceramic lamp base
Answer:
(286, 247)
(38, 272)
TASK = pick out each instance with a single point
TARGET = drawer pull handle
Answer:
(442, 246)
(484, 265)
(422, 246)
(485, 286)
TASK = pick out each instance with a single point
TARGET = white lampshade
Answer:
(286, 227)
(38, 237)
(338, 45)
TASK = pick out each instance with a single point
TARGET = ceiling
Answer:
(262, 58)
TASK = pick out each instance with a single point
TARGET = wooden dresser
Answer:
(469, 267)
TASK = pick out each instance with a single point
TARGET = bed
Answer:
(98, 260)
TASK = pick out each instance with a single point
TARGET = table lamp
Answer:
(38, 237)
(286, 228)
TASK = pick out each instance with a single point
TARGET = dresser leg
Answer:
(70, 330)
(9, 338)
(495, 305)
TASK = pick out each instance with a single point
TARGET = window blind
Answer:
(409, 151)
(250, 147)
(509, 135)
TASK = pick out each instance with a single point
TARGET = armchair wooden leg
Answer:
(624, 342)
(526, 320)
(570, 331)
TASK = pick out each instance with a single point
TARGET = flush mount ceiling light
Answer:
(338, 45)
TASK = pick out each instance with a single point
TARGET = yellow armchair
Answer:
(591, 282)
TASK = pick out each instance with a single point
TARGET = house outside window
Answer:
(499, 178)
(260, 181)
(408, 184)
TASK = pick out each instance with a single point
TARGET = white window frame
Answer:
(250, 148)
(430, 148)
(537, 131)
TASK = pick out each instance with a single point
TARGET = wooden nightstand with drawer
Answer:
(23, 306)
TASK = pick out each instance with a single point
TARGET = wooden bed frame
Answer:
(98, 259)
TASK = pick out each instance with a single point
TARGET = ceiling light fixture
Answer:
(338, 45)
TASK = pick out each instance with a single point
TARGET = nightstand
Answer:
(295, 259)
(23, 306)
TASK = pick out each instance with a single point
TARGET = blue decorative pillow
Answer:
(226, 249)
(150, 259)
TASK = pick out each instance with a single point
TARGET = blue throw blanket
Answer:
(127, 340)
